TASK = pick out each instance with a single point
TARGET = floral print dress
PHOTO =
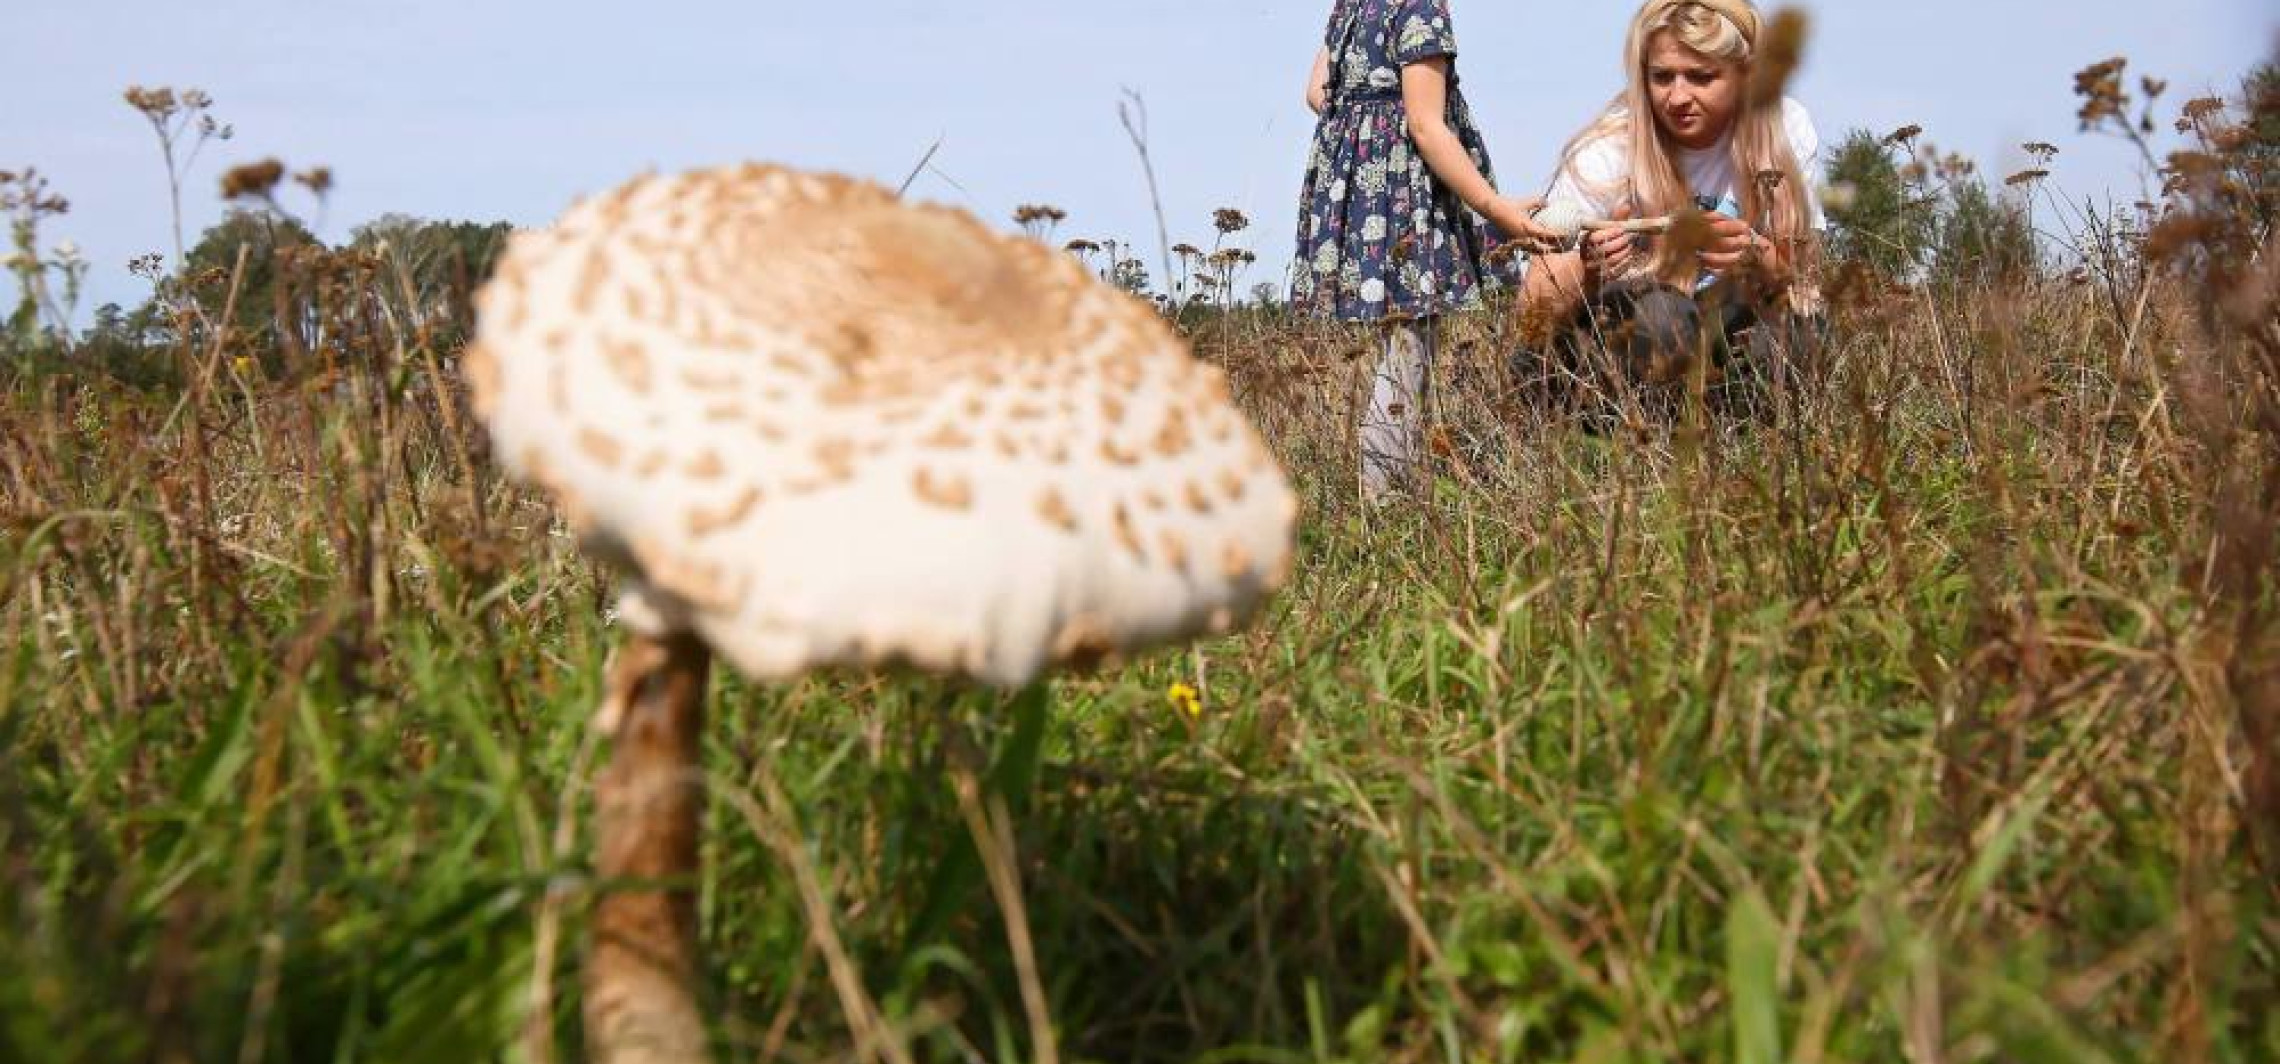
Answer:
(1378, 237)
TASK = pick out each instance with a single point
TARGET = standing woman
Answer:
(1387, 232)
(1683, 135)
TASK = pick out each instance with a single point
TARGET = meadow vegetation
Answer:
(1933, 717)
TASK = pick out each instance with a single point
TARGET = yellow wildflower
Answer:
(1184, 698)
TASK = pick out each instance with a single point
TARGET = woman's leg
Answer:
(1393, 422)
(1767, 356)
(1632, 341)
(1656, 334)
(1625, 336)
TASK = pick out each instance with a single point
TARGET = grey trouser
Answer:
(1393, 421)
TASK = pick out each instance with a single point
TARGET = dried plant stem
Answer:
(1137, 129)
(640, 1002)
(538, 1027)
(776, 827)
(992, 829)
(912, 177)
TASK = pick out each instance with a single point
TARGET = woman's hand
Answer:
(1734, 244)
(1608, 252)
(1515, 219)
(1318, 83)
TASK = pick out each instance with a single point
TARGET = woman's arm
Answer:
(1425, 96)
(1318, 82)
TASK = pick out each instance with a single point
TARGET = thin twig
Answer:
(1137, 129)
(923, 160)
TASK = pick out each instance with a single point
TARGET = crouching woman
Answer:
(1727, 284)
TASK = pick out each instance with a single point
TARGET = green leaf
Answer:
(1990, 861)
(1753, 948)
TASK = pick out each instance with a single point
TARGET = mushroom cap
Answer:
(818, 426)
(1565, 219)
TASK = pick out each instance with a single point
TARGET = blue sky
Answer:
(483, 111)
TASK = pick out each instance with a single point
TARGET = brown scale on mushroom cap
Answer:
(600, 446)
(703, 522)
(630, 362)
(949, 491)
(843, 429)
(1197, 499)
(706, 466)
(1055, 510)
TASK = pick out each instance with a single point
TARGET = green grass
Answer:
(1896, 731)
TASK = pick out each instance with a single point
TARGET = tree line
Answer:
(1902, 215)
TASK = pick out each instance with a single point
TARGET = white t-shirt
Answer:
(1604, 166)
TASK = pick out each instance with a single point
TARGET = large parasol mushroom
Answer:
(817, 427)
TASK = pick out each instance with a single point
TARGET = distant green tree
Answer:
(1879, 219)
(1983, 238)
(439, 251)
(1130, 275)
(1925, 217)
(2261, 155)
(433, 268)
(127, 348)
(209, 269)
(2260, 96)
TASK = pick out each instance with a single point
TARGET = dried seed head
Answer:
(2100, 86)
(317, 179)
(1780, 49)
(252, 180)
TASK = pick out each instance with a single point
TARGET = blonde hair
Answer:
(1724, 31)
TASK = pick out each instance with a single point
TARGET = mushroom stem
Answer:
(1650, 226)
(640, 979)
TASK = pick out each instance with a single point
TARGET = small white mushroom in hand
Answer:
(1571, 221)
(1563, 218)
